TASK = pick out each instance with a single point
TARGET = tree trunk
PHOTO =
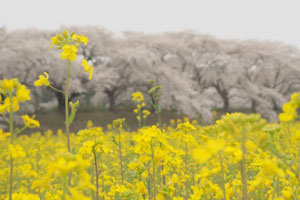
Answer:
(224, 95)
(61, 101)
(253, 106)
(226, 103)
(112, 104)
(112, 97)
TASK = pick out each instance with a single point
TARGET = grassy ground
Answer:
(55, 120)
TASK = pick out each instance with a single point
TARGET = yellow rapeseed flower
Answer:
(16, 151)
(14, 102)
(89, 124)
(3, 107)
(141, 188)
(88, 68)
(43, 80)
(54, 40)
(23, 94)
(138, 97)
(289, 109)
(80, 39)
(8, 85)
(69, 52)
(30, 122)
(287, 192)
(146, 113)
(186, 126)
(270, 167)
(3, 135)
(76, 195)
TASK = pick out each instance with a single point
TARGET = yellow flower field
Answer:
(239, 157)
(187, 162)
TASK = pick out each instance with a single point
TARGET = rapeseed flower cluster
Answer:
(12, 94)
(140, 110)
(68, 43)
(290, 112)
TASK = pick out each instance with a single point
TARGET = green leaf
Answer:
(74, 108)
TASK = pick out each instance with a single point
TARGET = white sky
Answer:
(241, 19)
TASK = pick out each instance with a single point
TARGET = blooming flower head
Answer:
(186, 126)
(8, 85)
(16, 151)
(68, 43)
(88, 68)
(146, 113)
(23, 93)
(119, 123)
(13, 87)
(69, 52)
(30, 122)
(60, 40)
(3, 135)
(138, 97)
(43, 80)
(54, 40)
(290, 109)
(89, 124)
(141, 188)
(11, 103)
(11, 93)
(3, 108)
(80, 39)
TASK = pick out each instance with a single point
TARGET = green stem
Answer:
(11, 130)
(140, 119)
(243, 167)
(275, 188)
(97, 174)
(157, 111)
(149, 182)
(154, 173)
(67, 114)
(158, 114)
(285, 162)
(5, 118)
(103, 187)
(186, 171)
(121, 158)
(222, 175)
(65, 190)
(57, 90)
(38, 168)
(21, 130)
(159, 119)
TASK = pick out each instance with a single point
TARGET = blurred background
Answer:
(211, 57)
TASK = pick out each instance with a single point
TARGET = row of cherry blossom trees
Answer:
(198, 73)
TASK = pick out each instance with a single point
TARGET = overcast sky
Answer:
(241, 19)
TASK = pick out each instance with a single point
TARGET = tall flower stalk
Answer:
(154, 93)
(67, 106)
(11, 130)
(68, 43)
(243, 167)
(13, 92)
(118, 123)
(140, 110)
